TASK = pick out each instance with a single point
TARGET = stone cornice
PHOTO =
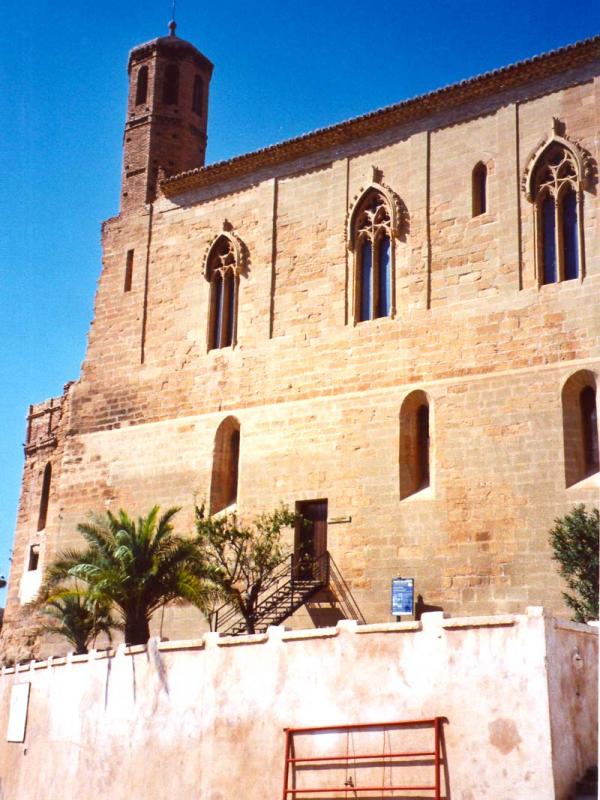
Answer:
(499, 80)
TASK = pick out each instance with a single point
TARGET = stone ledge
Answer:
(310, 633)
(580, 627)
(389, 627)
(243, 638)
(493, 621)
(181, 644)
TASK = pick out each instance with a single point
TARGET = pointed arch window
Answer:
(479, 189)
(371, 238)
(415, 444)
(171, 85)
(141, 88)
(45, 497)
(225, 472)
(222, 271)
(558, 205)
(580, 427)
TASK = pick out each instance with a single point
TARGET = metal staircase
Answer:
(289, 588)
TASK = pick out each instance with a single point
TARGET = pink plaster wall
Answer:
(205, 719)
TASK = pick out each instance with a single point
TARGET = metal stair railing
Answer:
(289, 588)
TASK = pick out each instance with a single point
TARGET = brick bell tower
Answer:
(167, 110)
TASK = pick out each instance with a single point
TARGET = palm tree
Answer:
(71, 612)
(136, 568)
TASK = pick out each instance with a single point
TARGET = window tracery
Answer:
(554, 184)
(224, 262)
(372, 239)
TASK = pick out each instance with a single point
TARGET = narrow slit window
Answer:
(415, 444)
(218, 311)
(366, 282)
(423, 446)
(171, 85)
(198, 95)
(385, 278)
(479, 189)
(549, 240)
(141, 89)
(570, 234)
(128, 271)
(45, 497)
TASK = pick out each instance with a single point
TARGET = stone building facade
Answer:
(395, 318)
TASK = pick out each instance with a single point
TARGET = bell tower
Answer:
(167, 110)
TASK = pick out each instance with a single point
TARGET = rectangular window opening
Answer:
(34, 558)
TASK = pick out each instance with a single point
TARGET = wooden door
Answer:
(311, 538)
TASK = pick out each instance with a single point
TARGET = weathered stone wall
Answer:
(206, 719)
(318, 397)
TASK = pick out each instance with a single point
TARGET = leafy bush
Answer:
(575, 541)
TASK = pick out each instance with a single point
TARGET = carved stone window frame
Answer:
(356, 234)
(224, 260)
(536, 191)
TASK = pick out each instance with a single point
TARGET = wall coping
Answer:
(210, 640)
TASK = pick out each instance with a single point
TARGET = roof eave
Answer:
(537, 68)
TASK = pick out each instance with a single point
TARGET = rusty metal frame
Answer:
(436, 722)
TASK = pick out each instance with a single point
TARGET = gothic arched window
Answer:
(225, 471)
(45, 497)
(222, 270)
(171, 85)
(141, 89)
(580, 427)
(415, 444)
(479, 189)
(372, 243)
(555, 193)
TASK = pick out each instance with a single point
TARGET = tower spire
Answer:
(173, 23)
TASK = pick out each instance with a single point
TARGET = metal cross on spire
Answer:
(173, 23)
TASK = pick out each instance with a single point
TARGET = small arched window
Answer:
(479, 189)
(225, 472)
(222, 272)
(171, 85)
(45, 497)
(198, 95)
(373, 247)
(589, 429)
(141, 89)
(580, 427)
(415, 444)
(555, 183)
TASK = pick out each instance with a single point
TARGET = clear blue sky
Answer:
(281, 69)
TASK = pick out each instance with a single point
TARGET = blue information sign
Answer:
(403, 596)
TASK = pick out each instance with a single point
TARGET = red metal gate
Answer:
(404, 759)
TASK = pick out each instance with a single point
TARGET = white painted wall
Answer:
(205, 719)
